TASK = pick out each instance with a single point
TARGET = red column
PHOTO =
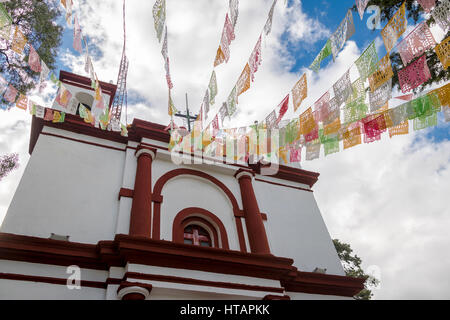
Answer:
(133, 291)
(141, 210)
(253, 220)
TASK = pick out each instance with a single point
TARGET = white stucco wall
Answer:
(295, 228)
(68, 188)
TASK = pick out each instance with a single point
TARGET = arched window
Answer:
(196, 235)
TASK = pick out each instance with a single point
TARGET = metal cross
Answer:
(188, 117)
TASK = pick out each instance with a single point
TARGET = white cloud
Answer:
(386, 199)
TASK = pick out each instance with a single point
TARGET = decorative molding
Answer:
(140, 250)
(125, 192)
(159, 185)
(145, 150)
(131, 288)
(196, 213)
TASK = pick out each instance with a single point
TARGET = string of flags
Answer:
(346, 115)
(245, 79)
(99, 115)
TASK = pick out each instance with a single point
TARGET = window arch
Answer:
(206, 224)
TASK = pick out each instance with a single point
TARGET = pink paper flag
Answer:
(322, 107)
(229, 29)
(10, 94)
(295, 154)
(406, 97)
(284, 105)
(255, 59)
(34, 61)
(77, 36)
(415, 43)
(414, 75)
(427, 4)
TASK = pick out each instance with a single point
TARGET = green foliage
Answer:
(414, 11)
(36, 19)
(352, 268)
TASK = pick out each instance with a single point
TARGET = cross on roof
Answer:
(187, 115)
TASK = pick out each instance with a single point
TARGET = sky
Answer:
(386, 199)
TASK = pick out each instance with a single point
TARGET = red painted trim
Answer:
(283, 185)
(290, 174)
(318, 283)
(126, 249)
(127, 193)
(50, 280)
(264, 216)
(154, 146)
(179, 223)
(174, 173)
(198, 282)
(273, 297)
(240, 231)
(85, 83)
(82, 141)
(256, 232)
(141, 208)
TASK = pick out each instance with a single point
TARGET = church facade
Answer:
(101, 216)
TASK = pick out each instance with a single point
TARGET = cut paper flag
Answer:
(255, 59)
(229, 29)
(19, 41)
(324, 53)
(284, 105)
(43, 76)
(415, 43)
(171, 107)
(268, 25)
(225, 43)
(58, 116)
(406, 97)
(345, 30)
(10, 94)
(358, 90)
(380, 96)
(374, 126)
(352, 138)
(77, 35)
(414, 75)
(48, 115)
(366, 63)
(40, 111)
(215, 125)
(22, 102)
(307, 122)
(220, 57)
(5, 23)
(383, 72)
(342, 88)
(212, 88)
(402, 128)
(223, 111)
(361, 6)
(441, 14)
(159, 16)
(243, 83)
(427, 5)
(295, 154)
(33, 60)
(443, 52)
(394, 28)
(322, 107)
(299, 92)
(271, 120)
(312, 151)
(234, 11)
(355, 110)
(232, 102)
(68, 7)
(206, 103)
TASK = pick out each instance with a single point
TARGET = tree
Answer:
(36, 19)
(352, 268)
(8, 163)
(414, 11)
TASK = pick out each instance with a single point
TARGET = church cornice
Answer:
(141, 250)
